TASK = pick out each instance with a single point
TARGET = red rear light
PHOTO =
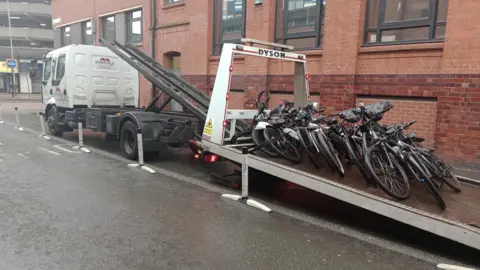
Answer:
(228, 96)
(307, 77)
(224, 123)
(210, 158)
(231, 68)
(282, 103)
(309, 98)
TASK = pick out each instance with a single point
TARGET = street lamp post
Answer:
(11, 46)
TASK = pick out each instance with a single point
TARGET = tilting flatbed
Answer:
(419, 211)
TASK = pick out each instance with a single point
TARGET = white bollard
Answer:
(42, 125)
(1, 121)
(244, 197)
(140, 154)
(17, 118)
(80, 133)
(245, 177)
(140, 147)
(80, 138)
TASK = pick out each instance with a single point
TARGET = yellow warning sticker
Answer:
(208, 127)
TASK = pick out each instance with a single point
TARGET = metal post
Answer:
(80, 137)
(1, 121)
(17, 119)
(11, 45)
(245, 173)
(42, 125)
(80, 133)
(140, 146)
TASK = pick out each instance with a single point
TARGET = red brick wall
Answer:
(406, 110)
(340, 71)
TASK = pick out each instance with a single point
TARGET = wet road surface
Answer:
(67, 210)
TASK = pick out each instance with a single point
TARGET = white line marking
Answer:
(49, 151)
(63, 149)
(23, 155)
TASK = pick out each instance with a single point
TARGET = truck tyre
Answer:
(52, 119)
(110, 137)
(128, 141)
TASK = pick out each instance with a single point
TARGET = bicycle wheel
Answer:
(330, 153)
(445, 171)
(286, 148)
(259, 139)
(308, 145)
(356, 158)
(428, 182)
(391, 178)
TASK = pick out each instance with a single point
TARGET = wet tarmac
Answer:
(68, 210)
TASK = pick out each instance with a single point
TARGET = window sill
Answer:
(401, 47)
(173, 5)
(217, 57)
(136, 44)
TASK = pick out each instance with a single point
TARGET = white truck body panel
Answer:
(93, 76)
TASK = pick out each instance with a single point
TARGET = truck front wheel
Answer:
(52, 121)
(128, 141)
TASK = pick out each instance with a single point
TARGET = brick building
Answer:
(423, 55)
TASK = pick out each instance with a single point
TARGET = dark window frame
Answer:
(317, 33)
(129, 29)
(104, 28)
(430, 22)
(83, 25)
(62, 33)
(243, 30)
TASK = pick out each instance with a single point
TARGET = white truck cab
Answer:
(78, 76)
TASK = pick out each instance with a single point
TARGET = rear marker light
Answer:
(231, 68)
(307, 77)
(224, 123)
(211, 158)
(309, 98)
(228, 96)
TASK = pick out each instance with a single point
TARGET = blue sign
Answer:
(11, 63)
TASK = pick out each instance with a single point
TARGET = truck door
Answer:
(59, 83)
(47, 91)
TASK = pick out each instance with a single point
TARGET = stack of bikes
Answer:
(386, 155)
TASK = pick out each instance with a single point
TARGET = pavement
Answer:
(22, 97)
(67, 210)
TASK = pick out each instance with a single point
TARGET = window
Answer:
(134, 26)
(66, 38)
(87, 37)
(229, 23)
(47, 69)
(108, 28)
(299, 23)
(60, 70)
(405, 21)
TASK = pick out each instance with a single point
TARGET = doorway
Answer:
(172, 62)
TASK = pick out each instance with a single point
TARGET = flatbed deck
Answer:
(419, 211)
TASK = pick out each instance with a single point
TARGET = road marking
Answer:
(48, 151)
(23, 155)
(64, 149)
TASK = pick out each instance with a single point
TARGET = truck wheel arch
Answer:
(125, 119)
